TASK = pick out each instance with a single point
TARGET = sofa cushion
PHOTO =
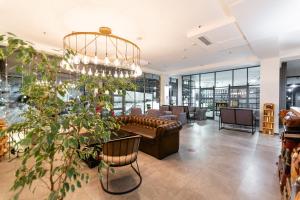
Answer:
(140, 130)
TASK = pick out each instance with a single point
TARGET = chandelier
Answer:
(101, 54)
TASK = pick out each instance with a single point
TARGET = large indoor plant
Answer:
(52, 127)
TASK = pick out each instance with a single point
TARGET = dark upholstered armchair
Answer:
(118, 153)
(136, 111)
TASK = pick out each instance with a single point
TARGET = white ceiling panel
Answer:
(268, 26)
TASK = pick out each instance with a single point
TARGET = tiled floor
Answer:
(210, 165)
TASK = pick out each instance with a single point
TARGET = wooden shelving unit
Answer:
(268, 119)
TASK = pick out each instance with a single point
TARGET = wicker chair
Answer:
(3, 146)
(118, 153)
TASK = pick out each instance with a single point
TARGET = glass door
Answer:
(207, 101)
(221, 99)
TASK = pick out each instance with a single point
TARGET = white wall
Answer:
(269, 86)
(179, 90)
(164, 90)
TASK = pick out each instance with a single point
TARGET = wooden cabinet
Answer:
(268, 119)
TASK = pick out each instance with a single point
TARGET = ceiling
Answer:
(170, 29)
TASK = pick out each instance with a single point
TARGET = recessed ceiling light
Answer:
(44, 33)
(139, 38)
(199, 26)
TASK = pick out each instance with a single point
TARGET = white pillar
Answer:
(269, 87)
(164, 90)
(179, 90)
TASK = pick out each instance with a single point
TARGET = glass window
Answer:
(240, 77)
(195, 82)
(293, 81)
(195, 97)
(207, 80)
(152, 82)
(223, 78)
(129, 101)
(186, 90)
(139, 100)
(254, 76)
(173, 92)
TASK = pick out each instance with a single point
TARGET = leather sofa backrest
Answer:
(227, 115)
(145, 121)
(164, 108)
(244, 117)
(176, 110)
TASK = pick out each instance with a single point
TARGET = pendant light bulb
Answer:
(103, 73)
(132, 66)
(109, 73)
(138, 70)
(96, 60)
(96, 73)
(83, 71)
(121, 75)
(126, 74)
(106, 61)
(90, 73)
(116, 74)
(76, 59)
(85, 60)
(117, 62)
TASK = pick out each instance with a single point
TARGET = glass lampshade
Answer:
(85, 60)
(96, 60)
(106, 61)
(76, 59)
(90, 73)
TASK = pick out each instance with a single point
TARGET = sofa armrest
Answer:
(168, 128)
(182, 118)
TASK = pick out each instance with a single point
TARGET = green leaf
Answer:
(70, 172)
(9, 33)
(78, 184)
(73, 142)
(67, 186)
(72, 188)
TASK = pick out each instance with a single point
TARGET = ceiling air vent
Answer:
(205, 40)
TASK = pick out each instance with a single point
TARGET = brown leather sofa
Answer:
(160, 137)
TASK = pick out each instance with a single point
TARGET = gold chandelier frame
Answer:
(131, 60)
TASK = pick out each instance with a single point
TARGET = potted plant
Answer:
(53, 127)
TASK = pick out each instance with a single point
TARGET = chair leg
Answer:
(137, 171)
(107, 172)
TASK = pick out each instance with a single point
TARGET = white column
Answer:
(269, 87)
(179, 90)
(164, 90)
